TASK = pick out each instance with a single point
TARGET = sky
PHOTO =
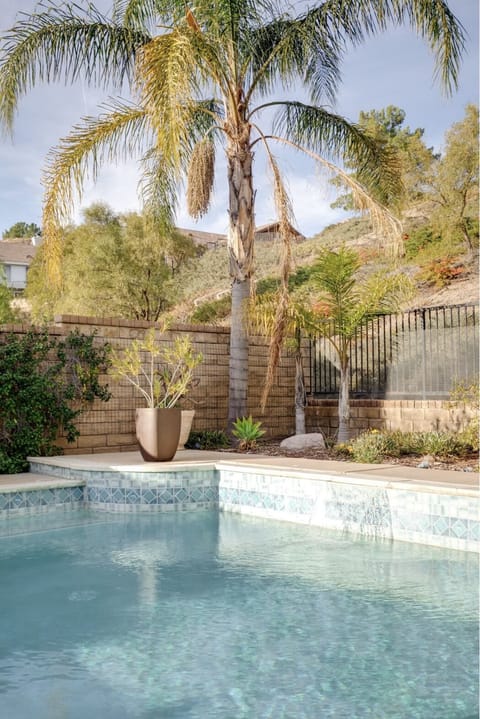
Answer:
(395, 68)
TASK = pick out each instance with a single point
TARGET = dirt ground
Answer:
(461, 464)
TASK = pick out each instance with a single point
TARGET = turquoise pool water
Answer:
(201, 616)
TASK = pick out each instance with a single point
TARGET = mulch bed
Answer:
(272, 448)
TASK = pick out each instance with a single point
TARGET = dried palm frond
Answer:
(280, 324)
(201, 172)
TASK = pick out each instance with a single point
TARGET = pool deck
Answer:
(387, 475)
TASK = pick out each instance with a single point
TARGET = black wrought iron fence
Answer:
(419, 354)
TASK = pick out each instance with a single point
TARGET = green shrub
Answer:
(44, 385)
(419, 239)
(247, 432)
(213, 311)
(468, 394)
(207, 439)
(441, 444)
(373, 446)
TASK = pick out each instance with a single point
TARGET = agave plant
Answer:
(248, 432)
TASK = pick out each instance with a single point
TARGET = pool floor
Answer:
(215, 616)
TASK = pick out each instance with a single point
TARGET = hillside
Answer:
(441, 271)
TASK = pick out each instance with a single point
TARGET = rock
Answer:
(313, 440)
(426, 462)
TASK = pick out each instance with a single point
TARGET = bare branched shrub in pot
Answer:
(163, 374)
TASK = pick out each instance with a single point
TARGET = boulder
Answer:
(313, 440)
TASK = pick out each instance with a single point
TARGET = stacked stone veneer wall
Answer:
(405, 415)
(109, 427)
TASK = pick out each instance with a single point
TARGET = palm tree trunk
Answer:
(344, 402)
(240, 249)
(299, 386)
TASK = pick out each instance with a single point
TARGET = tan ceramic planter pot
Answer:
(158, 432)
(186, 426)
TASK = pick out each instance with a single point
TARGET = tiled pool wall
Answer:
(34, 501)
(166, 491)
(353, 505)
(348, 504)
(142, 491)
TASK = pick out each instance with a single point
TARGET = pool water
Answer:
(206, 616)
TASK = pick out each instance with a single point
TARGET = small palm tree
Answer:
(345, 303)
(299, 320)
(201, 80)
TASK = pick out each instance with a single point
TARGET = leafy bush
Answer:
(45, 384)
(373, 446)
(442, 271)
(419, 239)
(468, 394)
(212, 311)
(440, 444)
(247, 432)
(207, 439)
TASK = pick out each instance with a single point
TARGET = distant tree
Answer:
(414, 158)
(7, 311)
(22, 229)
(454, 185)
(113, 265)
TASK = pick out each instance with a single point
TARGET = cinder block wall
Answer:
(405, 415)
(109, 427)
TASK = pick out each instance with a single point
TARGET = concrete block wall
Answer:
(405, 415)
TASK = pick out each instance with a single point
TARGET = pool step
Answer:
(27, 481)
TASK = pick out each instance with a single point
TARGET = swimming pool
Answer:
(215, 616)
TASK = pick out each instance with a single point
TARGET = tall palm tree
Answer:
(200, 78)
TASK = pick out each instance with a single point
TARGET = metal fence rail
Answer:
(419, 354)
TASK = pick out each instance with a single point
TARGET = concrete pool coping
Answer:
(386, 475)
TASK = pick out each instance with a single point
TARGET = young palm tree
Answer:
(344, 305)
(200, 79)
(300, 319)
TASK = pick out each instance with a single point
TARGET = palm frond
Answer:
(137, 14)
(280, 326)
(315, 131)
(167, 81)
(117, 134)
(158, 189)
(351, 21)
(331, 135)
(64, 43)
(282, 50)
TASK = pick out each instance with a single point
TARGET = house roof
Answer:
(17, 251)
(274, 227)
(205, 238)
(200, 237)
